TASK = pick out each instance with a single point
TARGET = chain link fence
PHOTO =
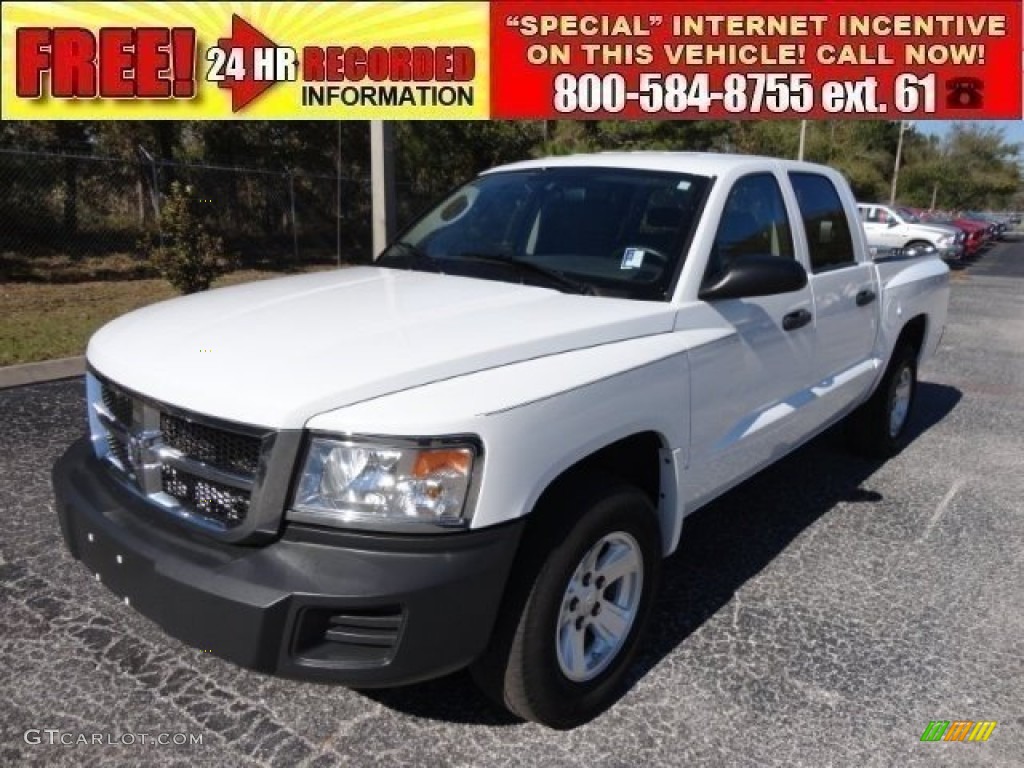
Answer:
(81, 209)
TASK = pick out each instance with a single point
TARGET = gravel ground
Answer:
(821, 614)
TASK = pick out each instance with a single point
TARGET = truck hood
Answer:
(937, 229)
(275, 353)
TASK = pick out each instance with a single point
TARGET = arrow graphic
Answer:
(246, 38)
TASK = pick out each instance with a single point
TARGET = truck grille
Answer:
(118, 403)
(206, 469)
(229, 451)
(119, 451)
(214, 501)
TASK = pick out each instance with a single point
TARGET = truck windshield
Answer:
(604, 231)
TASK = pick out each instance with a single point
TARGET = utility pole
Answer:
(935, 195)
(803, 140)
(382, 182)
(896, 167)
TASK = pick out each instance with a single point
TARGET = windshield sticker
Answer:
(633, 258)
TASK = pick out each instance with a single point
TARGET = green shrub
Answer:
(186, 254)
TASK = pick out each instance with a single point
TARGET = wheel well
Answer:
(913, 333)
(636, 459)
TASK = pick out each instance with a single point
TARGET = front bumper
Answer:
(366, 610)
(952, 252)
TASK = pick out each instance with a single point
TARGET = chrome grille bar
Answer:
(179, 461)
(194, 469)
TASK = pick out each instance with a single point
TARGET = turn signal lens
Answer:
(429, 462)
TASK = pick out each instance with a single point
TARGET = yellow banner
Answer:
(210, 60)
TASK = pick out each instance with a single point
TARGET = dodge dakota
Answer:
(477, 450)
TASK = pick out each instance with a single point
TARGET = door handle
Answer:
(865, 297)
(795, 320)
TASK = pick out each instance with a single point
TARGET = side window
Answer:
(873, 214)
(754, 220)
(828, 230)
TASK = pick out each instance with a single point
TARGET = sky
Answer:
(1013, 130)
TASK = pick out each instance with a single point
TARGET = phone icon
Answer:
(964, 93)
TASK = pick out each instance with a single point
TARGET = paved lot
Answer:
(822, 614)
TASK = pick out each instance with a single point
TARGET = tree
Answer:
(569, 136)
(985, 166)
(136, 142)
(186, 254)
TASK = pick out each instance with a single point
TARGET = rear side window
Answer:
(874, 215)
(828, 230)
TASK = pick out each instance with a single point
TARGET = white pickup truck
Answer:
(477, 451)
(888, 227)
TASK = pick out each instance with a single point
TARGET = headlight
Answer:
(376, 485)
(945, 239)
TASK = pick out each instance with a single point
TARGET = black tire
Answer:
(874, 428)
(523, 668)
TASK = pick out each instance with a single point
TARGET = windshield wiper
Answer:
(552, 275)
(411, 254)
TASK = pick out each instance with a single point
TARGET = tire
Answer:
(556, 607)
(879, 427)
(916, 244)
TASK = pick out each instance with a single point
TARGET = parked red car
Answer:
(977, 235)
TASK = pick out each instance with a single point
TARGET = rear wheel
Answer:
(879, 427)
(586, 582)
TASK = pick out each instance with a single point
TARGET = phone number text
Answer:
(747, 93)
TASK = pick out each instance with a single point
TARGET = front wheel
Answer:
(919, 247)
(560, 652)
(879, 427)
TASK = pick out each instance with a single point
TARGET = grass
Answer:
(40, 321)
(64, 268)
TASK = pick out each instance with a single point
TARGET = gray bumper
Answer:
(365, 610)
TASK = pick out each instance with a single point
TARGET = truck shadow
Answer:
(722, 547)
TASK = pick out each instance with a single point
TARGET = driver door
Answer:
(749, 389)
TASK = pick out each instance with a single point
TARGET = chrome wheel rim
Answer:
(899, 406)
(599, 607)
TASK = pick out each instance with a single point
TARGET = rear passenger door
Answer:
(846, 297)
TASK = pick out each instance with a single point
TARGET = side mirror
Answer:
(756, 274)
(893, 223)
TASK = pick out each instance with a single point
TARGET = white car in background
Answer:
(889, 226)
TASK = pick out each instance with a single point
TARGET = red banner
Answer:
(740, 59)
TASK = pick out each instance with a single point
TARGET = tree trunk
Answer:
(140, 197)
(70, 195)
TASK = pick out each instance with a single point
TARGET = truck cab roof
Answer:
(699, 163)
